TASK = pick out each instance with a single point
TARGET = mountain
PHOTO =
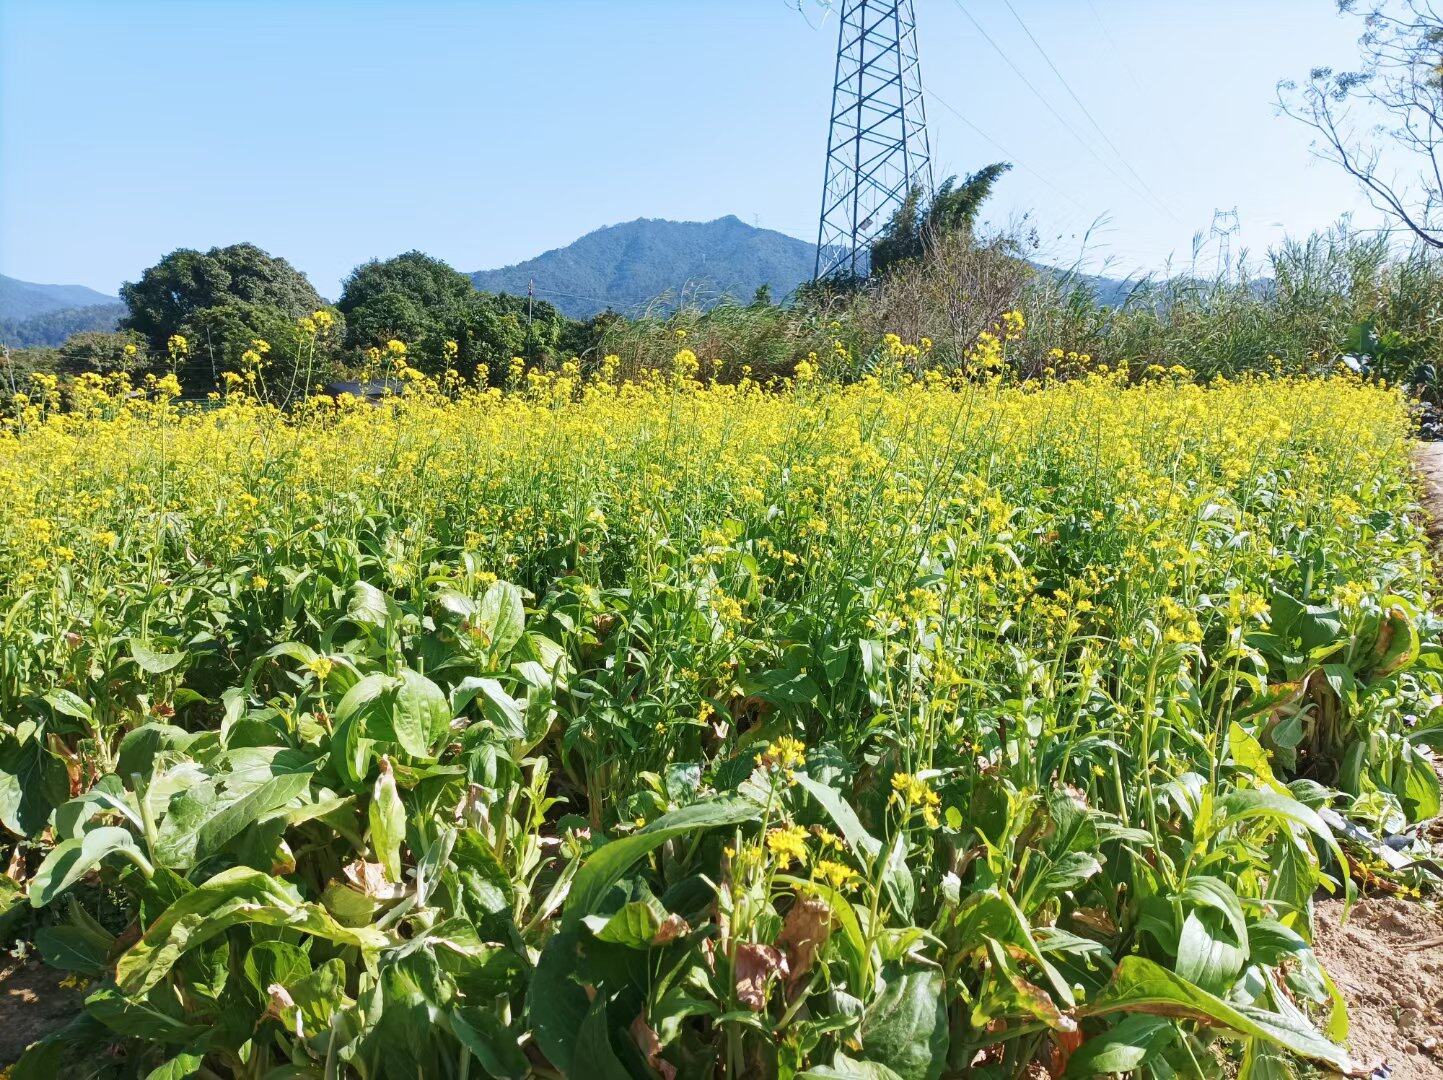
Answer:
(53, 327)
(24, 299)
(627, 267)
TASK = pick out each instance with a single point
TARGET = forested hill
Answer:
(38, 315)
(630, 266)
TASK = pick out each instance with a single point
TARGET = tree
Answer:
(1398, 89)
(219, 300)
(103, 353)
(425, 303)
(952, 211)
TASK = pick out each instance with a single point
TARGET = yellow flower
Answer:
(787, 844)
(915, 794)
(835, 874)
(785, 753)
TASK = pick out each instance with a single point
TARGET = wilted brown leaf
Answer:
(807, 927)
(755, 966)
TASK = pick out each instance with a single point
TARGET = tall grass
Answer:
(1306, 307)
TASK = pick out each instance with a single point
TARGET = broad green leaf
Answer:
(369, 606)
(71, 860)
(556, 1005)
(633, 926)
(845, 1068)
(482, 1032)
(421, 717)
(606, 865)
(502, 618)
(593, 1046)
(387, 818)
(1141, 986)
(495, 703)
(73, 948)
(221, 827)
(1123, 1048)
(180, 1067)
(235, 896)
(144, 1017)
(33, 782)
(152, 662)
(865, 847)
(905, 1026)
(68, 703)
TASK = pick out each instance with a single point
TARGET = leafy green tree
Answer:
(425, 303)
(952, 211)
(103, 353)
(219, 300)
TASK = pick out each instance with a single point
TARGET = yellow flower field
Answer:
(925, 722)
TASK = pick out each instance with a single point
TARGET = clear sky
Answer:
(486, 131)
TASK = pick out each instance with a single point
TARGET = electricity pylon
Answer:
(877, 146)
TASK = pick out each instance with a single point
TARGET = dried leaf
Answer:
(807, 927)
(650, 1045)
(755, 966)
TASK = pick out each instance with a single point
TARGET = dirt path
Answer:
(1387, 959)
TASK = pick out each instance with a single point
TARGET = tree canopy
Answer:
(426, 303)
(219, 300)
(952, 210)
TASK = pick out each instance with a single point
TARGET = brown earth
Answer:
(1387, 960)
(32, 1005)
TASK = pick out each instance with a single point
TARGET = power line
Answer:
(1052, 109)
(1008, 154)
(1085, 110)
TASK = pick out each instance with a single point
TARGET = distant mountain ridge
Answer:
(26, 299)
(38, 315)
(650, 261)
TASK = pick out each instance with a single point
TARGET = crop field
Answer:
(918, 727)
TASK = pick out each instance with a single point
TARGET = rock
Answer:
(1409, 1021)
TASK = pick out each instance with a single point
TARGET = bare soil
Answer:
(32, 1005)
(1387, 960)
(1387, 957)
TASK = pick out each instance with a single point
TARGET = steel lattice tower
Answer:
(877, 146)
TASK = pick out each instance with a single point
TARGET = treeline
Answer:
(201, 315)
(936, 287)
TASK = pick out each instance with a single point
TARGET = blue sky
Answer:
(484, 132)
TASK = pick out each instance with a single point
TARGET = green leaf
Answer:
(502, 618)
(143, 1018)
(1141, 986)
(1123, 1048)
(67, 703)
(482, 1032)
(369, 606)
(422, 716)
(905, 1026)
(895, 876)
(232, 819)
(387, 818)
(152, 662)
(606, 865)
(594, 1049)
(73, 948)
(497, 706)
(1212, 893)
(845, 1068)
(33, 782)
(234, 896)
(73, 859)
(556, 1005)
(180, 1067)
(633, 926)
